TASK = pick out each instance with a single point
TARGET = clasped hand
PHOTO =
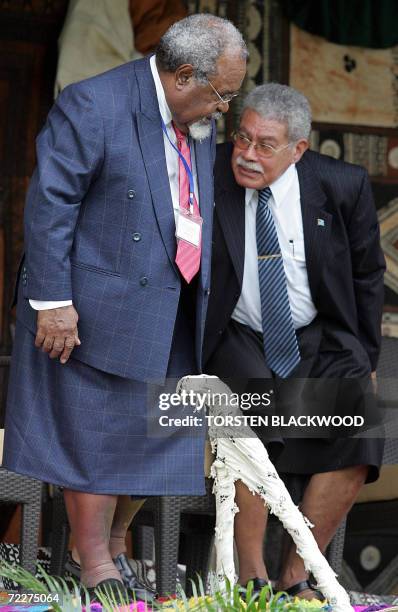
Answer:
(57, 332)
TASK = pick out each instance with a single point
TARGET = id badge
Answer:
(189, 227)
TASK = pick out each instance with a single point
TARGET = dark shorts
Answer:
(333, 377)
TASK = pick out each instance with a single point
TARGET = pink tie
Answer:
(188, 256)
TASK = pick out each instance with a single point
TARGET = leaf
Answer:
(108, 600)
(184, 599)
(236, 597)
(249, 591)
(29, 582)
(193, 585)
(263, 598)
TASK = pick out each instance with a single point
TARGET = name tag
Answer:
(189, 227)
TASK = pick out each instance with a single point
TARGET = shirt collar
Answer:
(282, 185)
(279, 188)
(250, 194)
(162, 102)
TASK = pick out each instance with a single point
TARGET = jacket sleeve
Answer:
(368, 266)
(69, 155)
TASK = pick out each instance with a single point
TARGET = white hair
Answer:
(199, 40)
(283, 104)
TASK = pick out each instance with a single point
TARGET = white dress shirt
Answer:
(172, 159)
(285, 207)
(172, 163)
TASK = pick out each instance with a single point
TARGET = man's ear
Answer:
(183, 76)
(300, 148)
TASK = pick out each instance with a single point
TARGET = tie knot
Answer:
(181, 137)
(264, 195)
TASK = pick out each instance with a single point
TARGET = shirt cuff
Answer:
(40, 305)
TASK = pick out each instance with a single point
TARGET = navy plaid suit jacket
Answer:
(99, 224)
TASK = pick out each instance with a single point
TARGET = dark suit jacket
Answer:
(99, 224)
(344, 260)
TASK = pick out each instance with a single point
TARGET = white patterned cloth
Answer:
(240, 455)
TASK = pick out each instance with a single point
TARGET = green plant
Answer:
(73, 597)
(231, 598)
(70, 595)
(228, 598)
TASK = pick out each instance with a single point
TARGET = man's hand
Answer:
(57, 332)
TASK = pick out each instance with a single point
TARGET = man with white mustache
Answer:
(295, 306)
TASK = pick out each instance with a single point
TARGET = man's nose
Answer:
(250, 153)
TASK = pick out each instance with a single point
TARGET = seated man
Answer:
(297, 295)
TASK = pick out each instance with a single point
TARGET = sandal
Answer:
(258, 585)
(304, 585)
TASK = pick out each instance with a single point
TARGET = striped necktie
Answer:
(188, 256)
(279, 336)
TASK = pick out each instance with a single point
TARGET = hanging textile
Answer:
(362, 23)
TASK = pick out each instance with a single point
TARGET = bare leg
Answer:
(90, 518)
(250, 524)
(126, 509)
(327, 500)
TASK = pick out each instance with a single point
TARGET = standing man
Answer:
(125, 163)
(297, 295)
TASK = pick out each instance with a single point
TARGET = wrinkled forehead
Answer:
(231, 70)
(261, 126)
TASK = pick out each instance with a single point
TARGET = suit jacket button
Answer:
(207, 291)
(220, 331)
(143, 281)
(136, 236)
(131, 194)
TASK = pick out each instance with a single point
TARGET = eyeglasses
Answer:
(224, 99)
(263, 150)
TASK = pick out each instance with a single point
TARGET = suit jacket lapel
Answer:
(150, 135)
(205, 185)
(230, 210)
(317, 222)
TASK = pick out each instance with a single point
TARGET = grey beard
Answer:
(200, 130)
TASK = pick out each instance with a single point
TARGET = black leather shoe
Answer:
(130, 579)
(258, 585)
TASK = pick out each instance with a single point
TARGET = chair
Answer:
(60, 532)
(371, 542)
(371, 559)
(17, 489)
(173, 517)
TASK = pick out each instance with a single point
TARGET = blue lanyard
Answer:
(186, 166)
